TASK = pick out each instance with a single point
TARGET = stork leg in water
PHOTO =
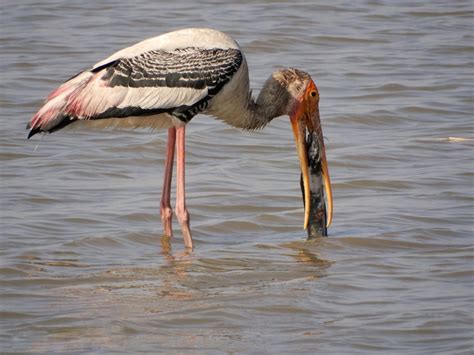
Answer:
(176, 140)
(163, 82)
(181, 210)
(166, 211)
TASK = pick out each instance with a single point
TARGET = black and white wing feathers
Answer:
(178, 82)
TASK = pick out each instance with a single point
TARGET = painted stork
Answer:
(163, 82)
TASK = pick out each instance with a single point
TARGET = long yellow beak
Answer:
(305, 117)
(299, 131)
(327, 182)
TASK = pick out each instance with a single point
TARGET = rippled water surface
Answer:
(84, 267)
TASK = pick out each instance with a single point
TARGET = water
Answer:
(83, 264)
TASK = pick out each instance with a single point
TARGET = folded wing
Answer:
(178, 83)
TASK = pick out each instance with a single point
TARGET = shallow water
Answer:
(84, 267)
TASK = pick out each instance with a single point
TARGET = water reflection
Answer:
(166, 249)
(307, 252)
(175, 270)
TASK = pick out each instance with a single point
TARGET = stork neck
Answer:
(256, 114)
(271, 102)
(238, 108)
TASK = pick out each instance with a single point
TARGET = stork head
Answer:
(301, 103)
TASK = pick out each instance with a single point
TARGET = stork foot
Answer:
(183, 219)
(167, 220)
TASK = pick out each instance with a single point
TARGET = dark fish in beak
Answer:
(317, 224)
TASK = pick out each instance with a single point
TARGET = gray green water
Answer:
(84, 268)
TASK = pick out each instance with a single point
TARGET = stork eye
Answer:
(313, 93)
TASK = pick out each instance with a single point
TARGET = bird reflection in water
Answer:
(177, 270)
(302, 252)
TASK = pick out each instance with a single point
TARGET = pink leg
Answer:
(181, 211)
(165, 205)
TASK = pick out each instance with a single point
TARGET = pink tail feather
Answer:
(56, 108)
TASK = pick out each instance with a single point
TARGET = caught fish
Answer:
(318, 214)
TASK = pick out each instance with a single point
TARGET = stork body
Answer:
(163, 82)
